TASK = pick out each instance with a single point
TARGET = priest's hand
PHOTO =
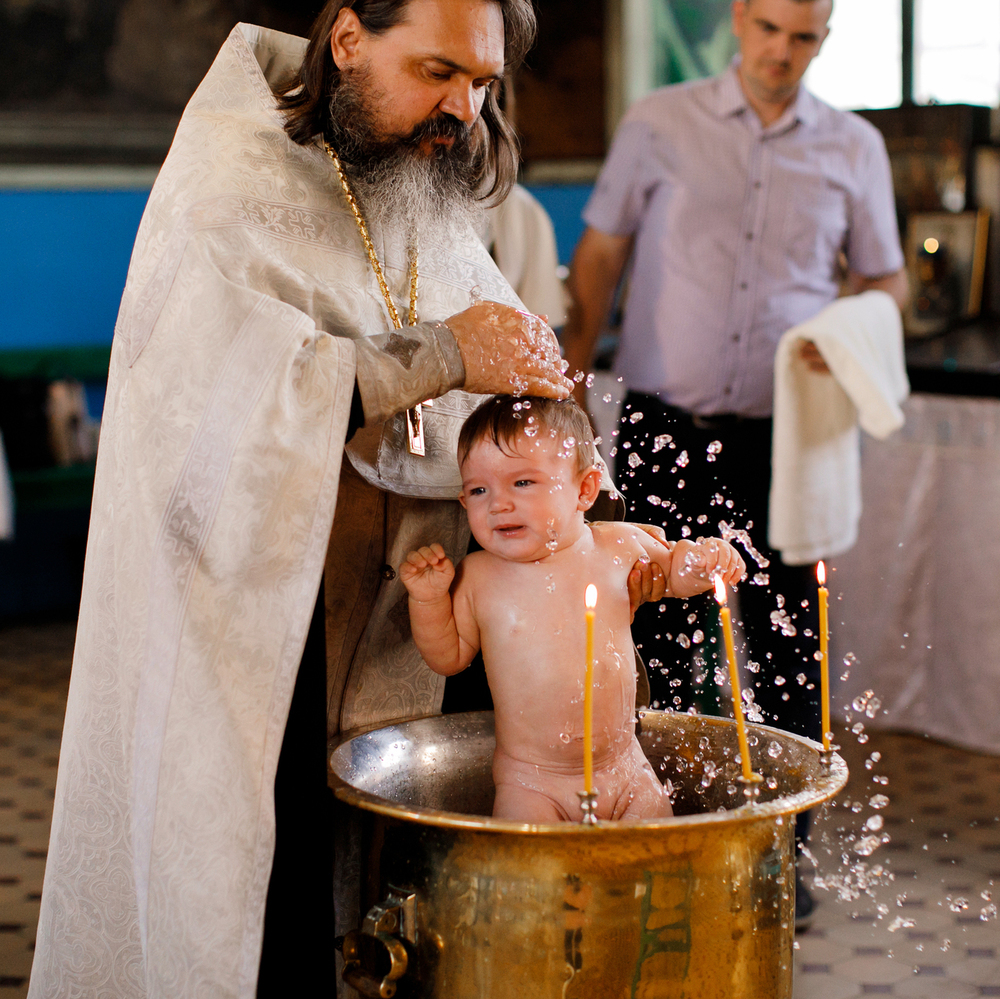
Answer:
(508, 352)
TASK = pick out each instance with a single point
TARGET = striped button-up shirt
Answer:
(737, 232)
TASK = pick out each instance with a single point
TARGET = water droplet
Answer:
(779, 681)
(682, 459)
(878, 801)
(684, 642)
(606, 397)
(867, 845)
(661, 441)
(698, 636)
(774, 750)
(564, 737)
(635, 417)
(655, 500)
(861, 701)
(634, 461)
(874, 823)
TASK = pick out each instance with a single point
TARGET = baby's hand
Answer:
(694, 566)
(427, 573)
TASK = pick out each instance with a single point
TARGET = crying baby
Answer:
(530, 472)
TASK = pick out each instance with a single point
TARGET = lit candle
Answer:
(588, 695)
(824, 652)
(734, 680)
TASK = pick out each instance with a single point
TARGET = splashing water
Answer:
(780, 621)
(849, 660)
(635, 417)
(661, 441)
(867, 702)
(728, 533)
(655, 500)
(682, 459)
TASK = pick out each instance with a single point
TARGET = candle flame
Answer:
(720, 590)
(591, 597)
(821, 573)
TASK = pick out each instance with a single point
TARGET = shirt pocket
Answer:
(815, 223)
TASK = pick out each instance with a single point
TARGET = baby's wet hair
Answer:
(504, 419)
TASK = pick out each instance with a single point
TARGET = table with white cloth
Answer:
(917, 601)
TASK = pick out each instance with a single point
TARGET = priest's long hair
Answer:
(305, 98)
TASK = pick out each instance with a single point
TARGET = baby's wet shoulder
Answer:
(616, 537)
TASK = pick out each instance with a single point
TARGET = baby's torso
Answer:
(532, 625)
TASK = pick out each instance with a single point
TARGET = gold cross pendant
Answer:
(415, 428)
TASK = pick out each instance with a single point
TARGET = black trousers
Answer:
(298, 917)
(688, 474)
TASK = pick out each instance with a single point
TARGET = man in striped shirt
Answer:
(734, 198)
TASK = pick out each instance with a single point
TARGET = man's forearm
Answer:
(399, 369)
(597, 268)
(895, 284)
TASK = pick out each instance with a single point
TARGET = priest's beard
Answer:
(397, 184)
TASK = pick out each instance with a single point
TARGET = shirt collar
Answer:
(730, 100)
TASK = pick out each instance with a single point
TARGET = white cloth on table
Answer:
(815, 463)
(918, 595)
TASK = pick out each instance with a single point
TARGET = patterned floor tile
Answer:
(870, 930)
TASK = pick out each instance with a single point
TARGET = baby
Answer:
(529, 473)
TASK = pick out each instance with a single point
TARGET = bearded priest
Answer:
(306, 312)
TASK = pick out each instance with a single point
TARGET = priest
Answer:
(306, 311)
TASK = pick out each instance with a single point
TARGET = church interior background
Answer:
(91, 91)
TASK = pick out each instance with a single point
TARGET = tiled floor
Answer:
(34, 676)
(917, 918)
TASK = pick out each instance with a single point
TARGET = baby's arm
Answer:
(690, 567)
(696, 564)
(427, 575)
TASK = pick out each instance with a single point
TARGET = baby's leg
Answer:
(522, 804)
(647, 797)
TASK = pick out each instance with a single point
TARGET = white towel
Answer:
(816, 463)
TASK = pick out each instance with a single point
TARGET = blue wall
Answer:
(63, 260)
(64, 256)
(564, 203)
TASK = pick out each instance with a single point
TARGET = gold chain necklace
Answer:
(415, 416)
(370, 248)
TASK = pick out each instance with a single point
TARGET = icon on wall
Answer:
(946, 260)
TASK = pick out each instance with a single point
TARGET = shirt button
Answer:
(744, 285)
(727, 390)
(756, 184)
(736, 338)
(749, 235)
